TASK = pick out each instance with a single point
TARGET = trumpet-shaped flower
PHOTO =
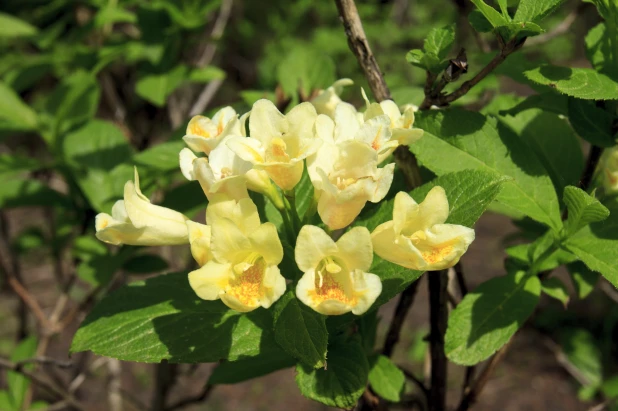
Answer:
(401, 125)
(335, 279)
(135, 221)
(278, 143)
(327, 100)
(205, 134)
(417, 237)
(345, 176)
(199, 239)
(222, 172)
(609, 167)
(243, 271)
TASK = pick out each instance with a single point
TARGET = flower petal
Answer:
(266, 122)
(186, 158)
(367, 288)
(355, 249)
(228, 241)
(199, 238)
(312, 246)
(274, 286)
(210, 281)
(265, 240)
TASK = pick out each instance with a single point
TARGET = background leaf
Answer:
(577, 82)
(386, 379)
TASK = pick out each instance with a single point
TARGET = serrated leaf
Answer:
(415, 57)
(233, 372)
(14, 111)
(577, 82)
(162, 157)
(592, 123)
(440, 41)
(491, 14)
(535, 10)
(12, 27)
(583, 209)
(597, 245)
(519, 29)
(555, 288)
(163, 319)
(526, 253)
(300, 331)
(17, 382)
(584, 279)
(456, 140)
(487, 318)
(342, 383)
(479, 22)
(386, 379)
(600, 50)
(551, 101)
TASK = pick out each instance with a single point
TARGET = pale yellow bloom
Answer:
(345, 175)
(278, 143)
(327, 100)
(221, 172)
(609, 168)
(204, 135)
(199, 239)
(243, 271)
(335, 279)
(135, 221)
(417, 237)
(401, 125)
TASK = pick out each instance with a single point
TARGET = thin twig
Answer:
(438, 316)
(205, 97)
(201, 397)
(591, 164)
(473, 393)
(45, 361)
(42, 382)
(403, 306)
(409, 375)
(441, 100)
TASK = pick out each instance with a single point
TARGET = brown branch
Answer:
(409, 375)
(438, 316)
(473, 393)
(28, 299)
(201, 397)
(45, 361)
(403, 306)
(42, 382)
(441, 100)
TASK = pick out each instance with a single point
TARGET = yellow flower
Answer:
(335, 279)
(609, 167)
(345, 175)
(135, 221)
(417, 237)
(204, 135)
(278, 143)
(327, 100)
(199, 239)
(243, 271)
(222, 172)
(401, 125)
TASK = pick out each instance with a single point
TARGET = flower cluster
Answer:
(343, 151)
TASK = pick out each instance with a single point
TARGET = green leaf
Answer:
(269, 360)
(98, 154)
(479, 22)
(14, 111)
(187, 198)
(597, 245)
(342, 383)
(156, 88)
(15, 192)
(163, 319)
(300, 331)
(526, 253)
(11, 163)
(551, 101)
(386, 379)
(536, 10)
(18, 383)
(582, 352)
(556, 289)
(439, 41)
(583, 209)
(592, 123)
(491, 14)
(97, 265)
(600, 50)
(5, 402)
(519, 29)
(584, 279)
(456, 140)
(112, 14)
(206, 74)
(12, 27)
(72, 102)
(577, 82)
(162, 157)
(305, 70)
(487, 318)
(145, 263)
(553, 142)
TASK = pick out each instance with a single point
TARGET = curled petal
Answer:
(210, 281)
(312, 246)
